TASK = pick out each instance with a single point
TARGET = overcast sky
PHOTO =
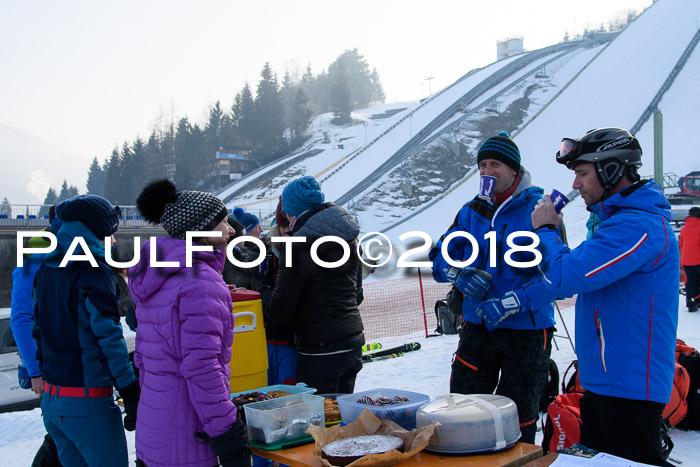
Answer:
(87, 75)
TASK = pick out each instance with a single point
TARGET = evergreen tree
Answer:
(126, 175)
(243, 116)
(154, 162)
(167, 151)
(300, 116)
(183, 162)
(96, 179)
(322, 93)
(287, 95)
(50, 199)
(269, 126)
(214, 128)
(6, 208)
(377, 96)
(113, 176)
(67, 192)
(308, 84)
(360, 79)
(341, 98)
(202, 160)
(135, 174)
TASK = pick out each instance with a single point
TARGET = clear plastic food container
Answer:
(284, 419)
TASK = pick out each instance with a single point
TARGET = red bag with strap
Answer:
(563, 426)
(677, 407)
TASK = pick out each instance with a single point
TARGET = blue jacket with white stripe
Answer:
(626, 276)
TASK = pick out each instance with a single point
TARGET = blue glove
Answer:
(25, 381)
(472, 282)
(495, 310)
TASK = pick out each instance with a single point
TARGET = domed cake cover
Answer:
(470, 423)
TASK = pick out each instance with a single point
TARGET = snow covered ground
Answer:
(425, 371)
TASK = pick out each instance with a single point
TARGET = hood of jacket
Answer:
(525, 181)
(324, 220)
(644, 195)
(145, 280)
(65, 236)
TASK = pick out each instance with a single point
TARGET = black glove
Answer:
(130, 396)
(232, 447)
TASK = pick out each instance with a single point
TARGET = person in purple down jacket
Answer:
(185, 332)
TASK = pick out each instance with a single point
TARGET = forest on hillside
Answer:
(267, 121)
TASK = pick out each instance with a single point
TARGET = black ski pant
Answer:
(622, 427)
(520, 357)
(331, 373)
(47, 455)
(692, 277)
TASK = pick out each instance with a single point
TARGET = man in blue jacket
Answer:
(626, 278)
(21, 322)
(508, 314)
(81, 350)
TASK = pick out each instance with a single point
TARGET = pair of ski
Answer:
(373, 352)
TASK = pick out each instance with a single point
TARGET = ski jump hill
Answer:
(377, 168)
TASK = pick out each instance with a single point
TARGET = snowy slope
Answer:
(614, 89)
(680, 107)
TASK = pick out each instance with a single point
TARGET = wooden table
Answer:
(544, 461)
(520, 454)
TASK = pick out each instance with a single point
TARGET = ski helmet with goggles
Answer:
(613, 151)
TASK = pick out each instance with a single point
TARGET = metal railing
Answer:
(37, 215)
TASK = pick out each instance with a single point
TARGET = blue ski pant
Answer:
(87, 431)
(281, 364)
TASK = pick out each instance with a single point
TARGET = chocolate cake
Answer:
(344, 451)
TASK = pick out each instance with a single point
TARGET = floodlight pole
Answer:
(429, 79)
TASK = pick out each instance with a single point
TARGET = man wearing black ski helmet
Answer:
(614, 153)
(626, 278)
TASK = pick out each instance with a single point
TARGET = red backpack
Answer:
(563, 426)
(677, 407)
(689, 358)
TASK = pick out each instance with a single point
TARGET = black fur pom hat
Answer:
(179, 212)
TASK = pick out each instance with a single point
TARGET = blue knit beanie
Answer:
(500, 148)
(301, 195)
(95, 212)
(248, 220)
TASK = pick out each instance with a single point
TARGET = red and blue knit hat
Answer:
(500, 148)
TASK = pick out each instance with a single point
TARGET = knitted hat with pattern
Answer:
(179, 212)
(500, 148)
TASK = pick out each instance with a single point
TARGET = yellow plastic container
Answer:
(249, 349)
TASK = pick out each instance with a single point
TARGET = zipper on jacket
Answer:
(601, 338)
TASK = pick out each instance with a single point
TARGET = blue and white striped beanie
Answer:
(500, 148)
